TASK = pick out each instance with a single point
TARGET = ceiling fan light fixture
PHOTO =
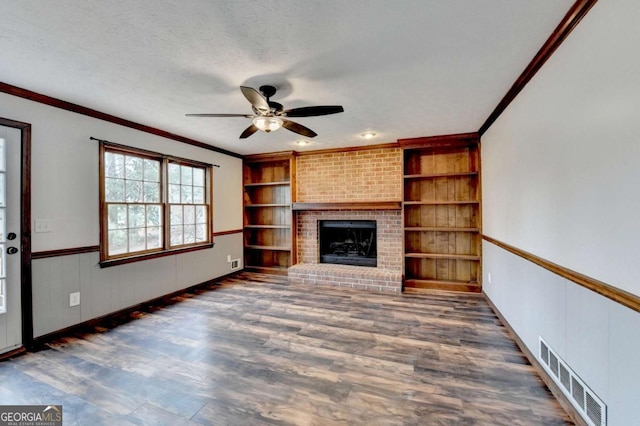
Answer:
(267, 124)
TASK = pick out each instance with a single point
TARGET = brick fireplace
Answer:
(350, 186)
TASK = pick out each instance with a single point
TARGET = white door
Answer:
(10, 247)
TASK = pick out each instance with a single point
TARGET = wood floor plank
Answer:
(253, 349)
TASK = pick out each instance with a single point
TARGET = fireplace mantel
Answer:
(348, 205)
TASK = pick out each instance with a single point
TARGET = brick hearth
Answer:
(359, 277)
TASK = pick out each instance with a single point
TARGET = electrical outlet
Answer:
(489, 277)
(74, 299)
(42, 225)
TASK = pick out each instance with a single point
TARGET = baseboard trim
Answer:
(122, 316)
(13, 353)
(551, 384)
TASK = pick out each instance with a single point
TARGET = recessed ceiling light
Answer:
(302, 143)
(368, 135)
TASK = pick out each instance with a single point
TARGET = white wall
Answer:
(64, 190)
(564, 158)
(561, 168)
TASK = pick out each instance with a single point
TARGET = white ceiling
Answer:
(402, 69)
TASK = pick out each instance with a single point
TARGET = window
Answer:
(188, 209)
(151, 204)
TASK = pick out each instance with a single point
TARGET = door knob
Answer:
(11, 236)
(12, 250)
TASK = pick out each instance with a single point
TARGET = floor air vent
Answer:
(590, 407)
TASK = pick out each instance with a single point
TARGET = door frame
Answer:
(26, 289)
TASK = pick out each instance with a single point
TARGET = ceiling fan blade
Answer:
(298, 128)
(219, 115)
(248, 131)
(255, 98)
(313, 111)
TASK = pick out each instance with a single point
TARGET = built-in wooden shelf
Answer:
(441, 213)
(273, 248)
(267, 226)
(258, 184)
(412, 285)
(269, 189)
(439, 229)
(355, 205)
(437, 175)
(442, 256)
(439, 203)
(266, 205)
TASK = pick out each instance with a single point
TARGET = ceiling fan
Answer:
(269, 116)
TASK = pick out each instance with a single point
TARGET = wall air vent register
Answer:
(590, 407)
(235, 264)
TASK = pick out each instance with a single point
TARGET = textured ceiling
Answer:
(400, 68)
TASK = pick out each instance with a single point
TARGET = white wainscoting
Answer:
(597, 337)
(107, 290)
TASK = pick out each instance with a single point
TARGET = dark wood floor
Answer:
(255, 350)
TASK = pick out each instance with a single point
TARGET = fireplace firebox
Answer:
(348, 242)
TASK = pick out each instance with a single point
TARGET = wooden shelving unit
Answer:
(441, 214)
(442, 256)
(268, 193)
(439, 228)
(440, 203)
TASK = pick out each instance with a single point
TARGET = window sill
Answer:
(147, 256)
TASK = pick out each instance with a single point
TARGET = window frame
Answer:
(3, 296)
(169, 204)
(166, 249)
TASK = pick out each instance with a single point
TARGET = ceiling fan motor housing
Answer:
(268, 91)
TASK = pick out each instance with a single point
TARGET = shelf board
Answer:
(437, 175)
(443, 256)
(266, 205)
(268, 226)
(273, 248)
(282, 183)
(439, 229)
(439, 203)
(273, 270)
(349, 205)
(414, 285)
